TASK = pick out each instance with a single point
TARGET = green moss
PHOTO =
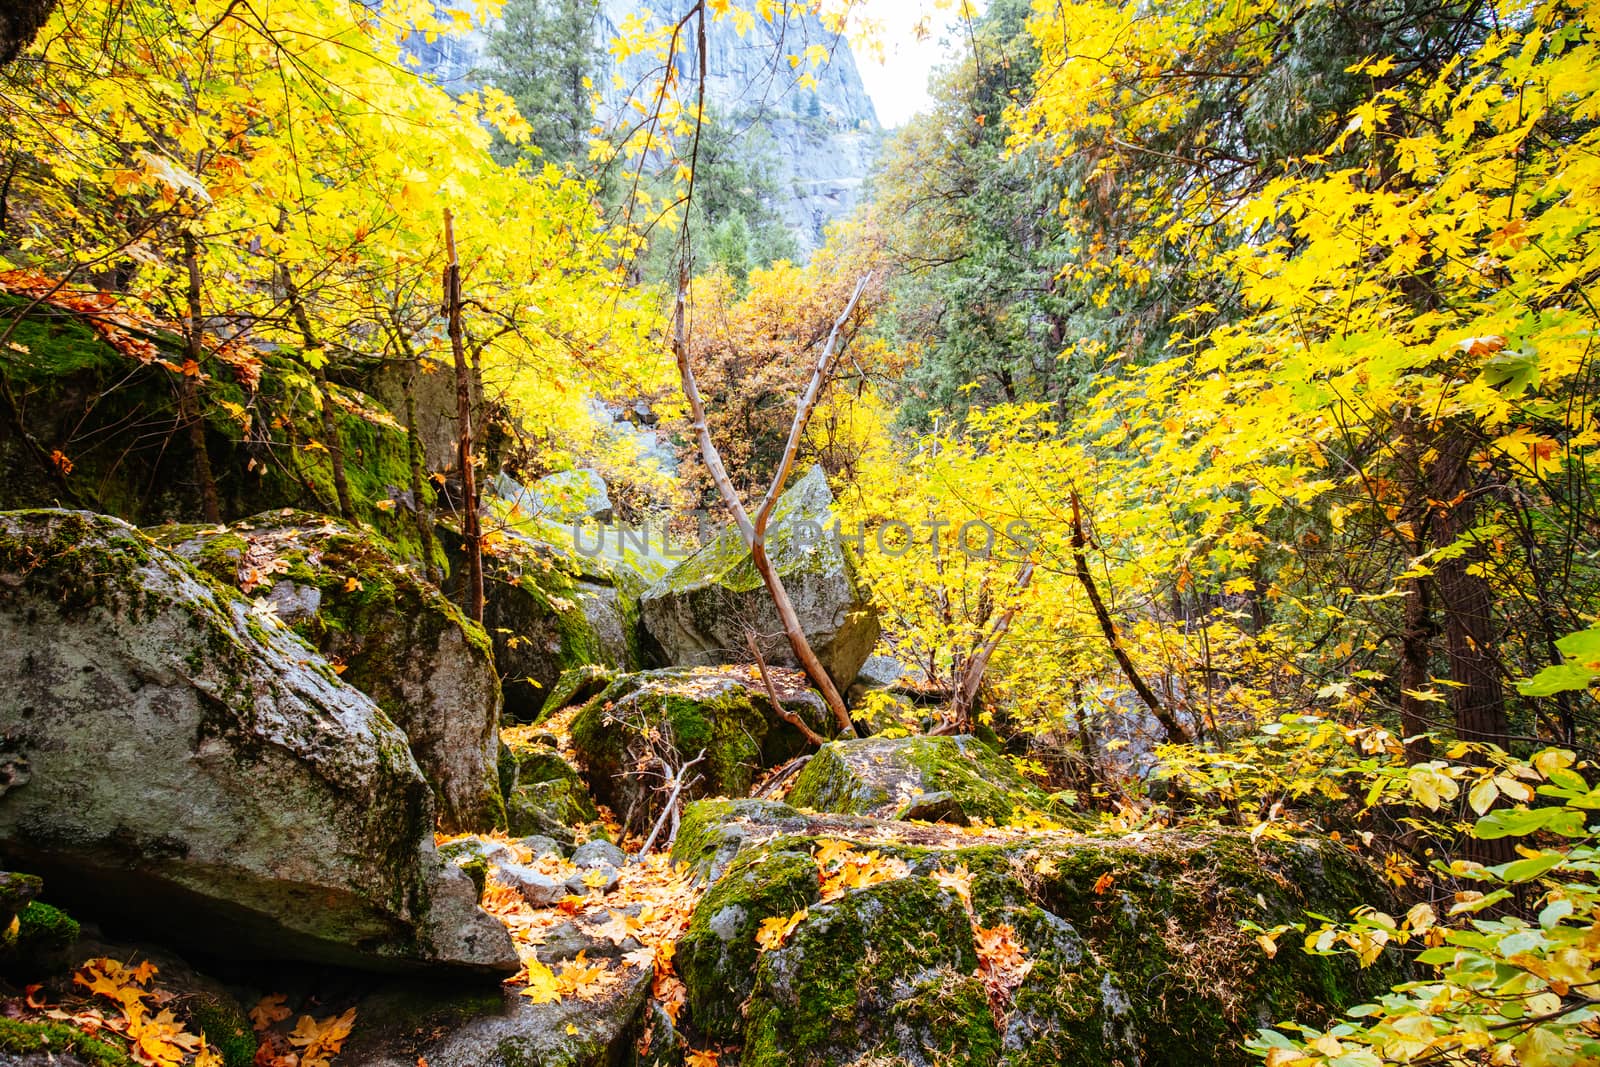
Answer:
(1135, 947)
(43, 928)
(77, 394)
(683, 711)
(56, 1039)
(75, 558)
(553, 809)
(948, 779)
(226, 1028)
(576, 685)
(717, 955)
(884, 972)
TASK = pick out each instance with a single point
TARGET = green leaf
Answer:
(1519, 822)
(1526, 870)
(1560, 678)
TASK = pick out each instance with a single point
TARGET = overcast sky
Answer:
(898, 83)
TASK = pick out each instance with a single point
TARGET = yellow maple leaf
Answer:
(775, 931)
(829, 849)
(542, 987)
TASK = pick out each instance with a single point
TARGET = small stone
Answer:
(464, 848)
(540, 845)
(599, 853)
(585, 881)
(539, 890)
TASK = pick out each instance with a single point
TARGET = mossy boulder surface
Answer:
(937, 779)
(713, 832)
(888, 972)
(717, 956)
(170, 755)
(701, 611)
(550, 798)
(56, 1044)
(576, 686)
(1134, 947)
(394, 636)
(537, 617)
(622, 734)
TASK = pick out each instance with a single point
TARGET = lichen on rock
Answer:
(392, 635)
(205, 769)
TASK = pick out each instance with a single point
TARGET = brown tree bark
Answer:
(188, 385)
(471, 534)
(1416, 636)
(1477, 698)
(1169, 722)
(20, 22)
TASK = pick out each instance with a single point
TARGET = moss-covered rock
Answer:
(394, 636)
(714, 831)
(622, 734)
(1134, 946)
(42, 928)
(702, 610)
(16, 890)
(51, 1040)
(550, 798)
(935, 779)
(172, 756)
(576, 686)
(75, 396)
(886, 974)
(226, 1027)
(717, 955)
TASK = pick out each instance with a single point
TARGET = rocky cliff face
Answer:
(824, 139)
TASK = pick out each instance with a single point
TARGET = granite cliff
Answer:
(822, 140)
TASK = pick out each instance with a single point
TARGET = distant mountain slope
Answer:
(824, 139)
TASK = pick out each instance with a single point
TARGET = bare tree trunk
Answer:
(1476, 698)
(471, 534)
(772, 695)
(1416, 637)
(755, 532)
(1174, 729)
(966, 694)
(318, 362)
(188, 385)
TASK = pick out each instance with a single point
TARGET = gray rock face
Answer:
(499, 1030)
(823, 140)
(399, 639)
(185, 761)
(700, 612)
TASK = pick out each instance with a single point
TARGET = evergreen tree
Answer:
(545, 56)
